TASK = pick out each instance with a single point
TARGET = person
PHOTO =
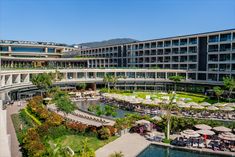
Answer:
(212, 146)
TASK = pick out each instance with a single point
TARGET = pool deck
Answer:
(129, 144)
(133, 144)
(210, 151)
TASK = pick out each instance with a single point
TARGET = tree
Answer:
(229, 84)
(107, 80)
(110, 79)
(176, 79)
(218, 91)
(63, 102)
(169, 108)
(117, 154)
(86, 151)
(82, 86)
(42, 81)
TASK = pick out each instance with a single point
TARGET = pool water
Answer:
(160, 151)
(84, 105)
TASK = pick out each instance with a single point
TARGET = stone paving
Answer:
(11, 109)
(129, 144)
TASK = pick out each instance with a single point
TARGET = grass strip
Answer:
(32, 117)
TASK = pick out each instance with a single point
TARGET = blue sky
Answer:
(76, 21)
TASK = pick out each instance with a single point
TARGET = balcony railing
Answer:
(213, 40)
(225, 39)
(213, 50)
(225, 49)
(193, 42)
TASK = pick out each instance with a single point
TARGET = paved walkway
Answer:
(15, 149)
(83, 117)
(129, 144)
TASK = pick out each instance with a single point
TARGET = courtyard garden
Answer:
(41, 132)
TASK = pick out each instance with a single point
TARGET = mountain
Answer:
(107, 42)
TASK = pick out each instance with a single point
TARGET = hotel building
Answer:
(203, 59)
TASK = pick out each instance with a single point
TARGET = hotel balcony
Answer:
(175, 51)
(192, 50)
(192, 67)
(225, 47)
(167, 43)
(167, 51)
(160, 44)
(212, 77)
(183, 41)
(213, 58)
(225, 37)
(224, 67)
(175, 43)
(213, 38)
(175, 59)
(160, 52)
(225, 57)
(192, 41)
(153, 45)
(213, 48)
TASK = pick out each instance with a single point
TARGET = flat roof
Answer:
(49, 59)
(179, 36)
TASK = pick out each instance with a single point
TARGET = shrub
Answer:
(91, 129)
(112, 130)
(26, 119)
(32, 143)
(78, 127)
(104, 133)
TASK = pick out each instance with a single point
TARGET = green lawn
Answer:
(194, 97)
(74, 141)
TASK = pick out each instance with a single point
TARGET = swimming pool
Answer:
(161, 151)
(84, 105)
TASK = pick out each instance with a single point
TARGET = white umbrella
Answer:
(212, 108)
(205, 132)
(205, 104)
(47, 99)
(184, 106)
(221, 129)
(180, 103)
(72, 93)
(157, 118)
(197, 107)
(230, 105)
(142, 121)
(219, 105)
(156, 101)
(203, 127)
(227, 136)
(192, 103)
(189, 133)
(147, 102)
(226, 108)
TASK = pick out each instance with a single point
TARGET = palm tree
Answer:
(176, 79)
(168, 109)
(110, 79)
(106, 81)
